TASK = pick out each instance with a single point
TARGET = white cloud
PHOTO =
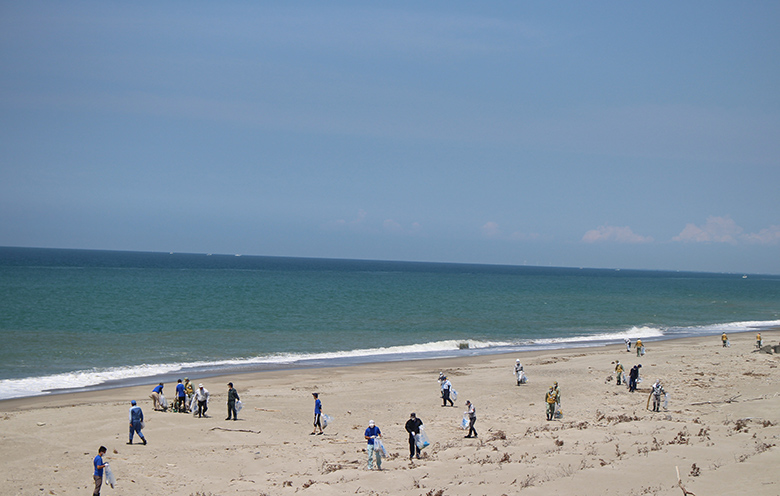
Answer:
(392, 226)
(768, 236)
(491, 230)
(715, 230)
(614, 234)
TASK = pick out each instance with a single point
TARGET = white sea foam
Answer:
(35, 386)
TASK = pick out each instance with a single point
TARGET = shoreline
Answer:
(349, 361)
(723, 418)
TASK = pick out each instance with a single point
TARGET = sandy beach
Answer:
(720, 430)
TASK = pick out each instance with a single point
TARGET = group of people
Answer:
(195, 401)
(552, 400)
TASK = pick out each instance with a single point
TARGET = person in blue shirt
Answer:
(136, 417)
(181, 398)
(373, 436)
(155, 396)
(98, 474)
(317, 414)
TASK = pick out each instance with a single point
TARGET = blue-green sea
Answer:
(85, 319)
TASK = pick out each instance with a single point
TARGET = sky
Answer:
(611, 135)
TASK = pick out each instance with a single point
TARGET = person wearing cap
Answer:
(446, 386)
(188, 389)
(155, 396)
(372, 434)
(549, 400)
(658, 392)
(472, 413)
(557, 396)
(136, 418)
(202, 397)
(231, 401)
(181, 398)
(413, 428)
(633, 377)
(519, 373)
(619, 372)
(317, 414)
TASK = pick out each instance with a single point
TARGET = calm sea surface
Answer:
(76, 319)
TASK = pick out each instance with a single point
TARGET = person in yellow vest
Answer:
(549, 398)
(619, 372)
(758, 340)
(725, 340)
(639, 347)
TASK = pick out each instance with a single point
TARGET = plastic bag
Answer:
(558, 411)
(110, 478)
(163, 402)
(381, 446)
(421, 439)
(143, 424)
(325, 419)
(464, 424)
(453, 395)
(239, 406)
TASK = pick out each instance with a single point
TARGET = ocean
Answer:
(81, 319)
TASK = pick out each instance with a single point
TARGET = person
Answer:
(658, 392)
(639, 348)
(202, 397)
(188, 389)
(446, 387)
(181, 398)
(413, 428)
(633, 377)
(155, 396)
(317, 414)
(519, 373)
(628, 344)
(725, 339)
(549, 400)
(99, 465)
(557, 396)
(372, 434)
(619, 372)
(472, 413)
(231, 401)
(136, 417)
(758, 340)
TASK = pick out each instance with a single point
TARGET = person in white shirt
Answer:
(446, 387)
(202, 397)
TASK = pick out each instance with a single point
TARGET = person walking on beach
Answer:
(619, 372)
(317, 414)
(472, 413)
(373, 437)
(136, 420)
(633, 378)
(557, 396)
(628, 344)
(413, 428)
(658, 392)
(758, 340)
(181, 398)
(639, 348)
(549, 400)
(231, 401)
(202, 397)
(97, 474)
(519, 372)
(725, 340)
(446, 387)
(155, 396)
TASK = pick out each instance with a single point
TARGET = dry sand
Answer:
(721, 430)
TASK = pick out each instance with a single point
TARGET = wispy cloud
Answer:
(725, 230)
(615, 234)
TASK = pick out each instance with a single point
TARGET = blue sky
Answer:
(619, 134)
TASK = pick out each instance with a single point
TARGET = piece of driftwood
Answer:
(265, 410)
(233, 430)
(679, 483)
(730, 400)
